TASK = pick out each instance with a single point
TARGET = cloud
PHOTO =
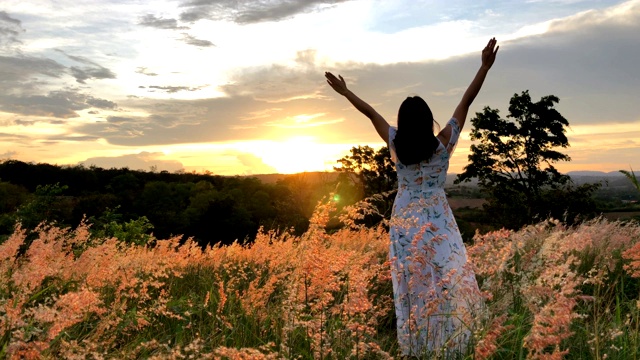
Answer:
(254, 164)
(67, 138)
(60, 104)
(303, 121)
(24, 80)
(450, 92)
(8, 155)
(21, 122)
(151, 20)
(12, 137)
(86, 73)
(279, 83)
(21, 68)
(175, 89)
(249, 11)
(190, 40)
(590, 73)
(91, 71)
(10, 28)
(140, 161)
(176, 121)
(143, 70)
(120, 119)
(101, 103)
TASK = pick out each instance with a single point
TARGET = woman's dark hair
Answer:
(415, 141)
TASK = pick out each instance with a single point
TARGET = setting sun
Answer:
(300, 154)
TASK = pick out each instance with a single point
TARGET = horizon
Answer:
(212, 86)
(183, 171)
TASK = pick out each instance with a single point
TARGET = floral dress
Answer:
(435, 290)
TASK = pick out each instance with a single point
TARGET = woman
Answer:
(435, 291)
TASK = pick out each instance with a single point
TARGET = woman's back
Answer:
(430, 175)
(433, 300)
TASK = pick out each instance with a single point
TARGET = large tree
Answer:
(365, 173)
(372, 170)
(514, 163)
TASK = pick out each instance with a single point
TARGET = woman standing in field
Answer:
(435, 291)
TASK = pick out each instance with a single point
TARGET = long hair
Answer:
(415, 140)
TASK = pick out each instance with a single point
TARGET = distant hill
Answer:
(613, 178)
(609, 179)
(312, 176)
(595, 173)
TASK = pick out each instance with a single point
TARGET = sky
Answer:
(237, 87)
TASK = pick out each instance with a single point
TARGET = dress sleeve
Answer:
(392, 147)
(455, 134)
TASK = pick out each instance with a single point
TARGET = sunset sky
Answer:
(237, 86)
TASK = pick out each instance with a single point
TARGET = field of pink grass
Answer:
(551, 292)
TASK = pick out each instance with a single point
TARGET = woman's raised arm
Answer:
(340, 86)
(488, 57)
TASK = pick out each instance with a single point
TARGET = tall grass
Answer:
(551, 292)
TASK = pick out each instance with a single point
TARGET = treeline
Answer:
(209, 208)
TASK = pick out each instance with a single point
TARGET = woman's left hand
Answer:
(489, 53)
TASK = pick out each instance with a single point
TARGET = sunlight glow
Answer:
(298, 154)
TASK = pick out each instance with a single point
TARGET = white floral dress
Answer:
(435, 290)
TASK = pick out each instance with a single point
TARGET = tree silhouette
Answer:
(632, 177)
(514, 163)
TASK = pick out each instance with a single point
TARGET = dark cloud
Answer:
(166, 121)
(5, 18)
(249, 11)
(86, 73)
(25, 122)
(67, 138)
(277, 83)
(22, 77)
(141, 161)
(60, 104)
(151, 20)
(33, 122)
(120, 119)
(12, 137)
(91, 70)
(177, 121)
(101, 103)
(22, 68)
(196, 42)
(10, 29)
(143, 71)
(175, 89)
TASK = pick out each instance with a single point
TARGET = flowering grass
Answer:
(551, 292)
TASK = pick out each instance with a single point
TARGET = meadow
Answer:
(550, 292)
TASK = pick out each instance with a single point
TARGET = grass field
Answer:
(457, 203)
(550, 292)
(622, 215)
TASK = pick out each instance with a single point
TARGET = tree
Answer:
(514, 164)
(46, 205)
(373, 171)
(366, 173)
(632, 177)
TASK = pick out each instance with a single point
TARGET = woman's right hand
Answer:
(339, 85)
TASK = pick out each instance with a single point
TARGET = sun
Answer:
(300, 154)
